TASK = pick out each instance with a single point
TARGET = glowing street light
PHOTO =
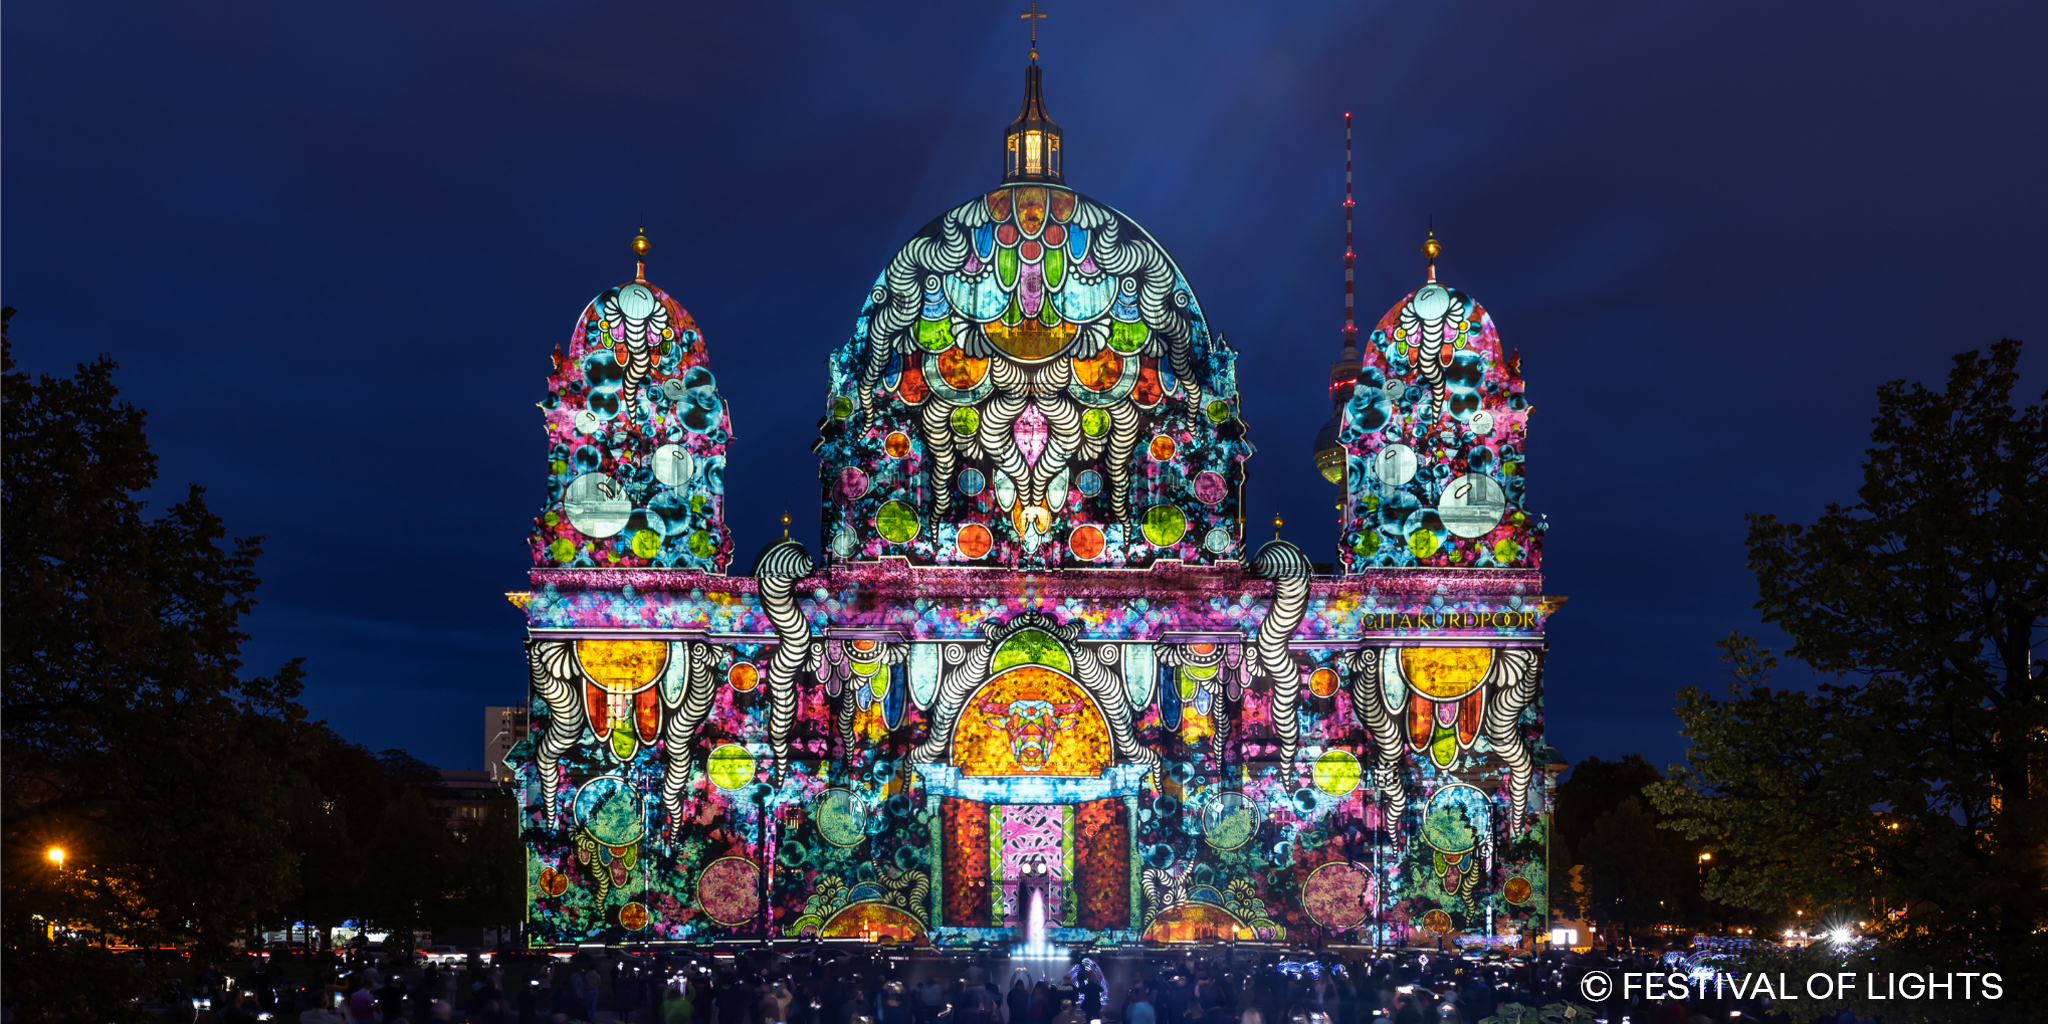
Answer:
(55, 855)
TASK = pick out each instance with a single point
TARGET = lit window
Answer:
(1032, 157)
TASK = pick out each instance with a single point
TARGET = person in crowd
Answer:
(896, 1005)
(362, 1004)
(391, 998)
(1138, 1007)
(774, 1005)
(1019, 1000)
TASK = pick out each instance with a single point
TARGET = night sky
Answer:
(331, 246)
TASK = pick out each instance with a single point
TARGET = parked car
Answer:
(445, 956)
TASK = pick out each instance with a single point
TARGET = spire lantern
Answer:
(1031, 144)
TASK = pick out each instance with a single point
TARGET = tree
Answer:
(1636, 875)
(412, 860)
(133, 740)
(1629, 873)
(1908, 792)
(490, 871)
(1594, 788)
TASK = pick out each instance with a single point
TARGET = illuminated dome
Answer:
(1032, 383)
(1434, 436)
(636, 440)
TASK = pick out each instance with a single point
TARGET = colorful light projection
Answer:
(636, 441)
(1032, 383)
(1144, 788)
(970, 705)
(1434, 436)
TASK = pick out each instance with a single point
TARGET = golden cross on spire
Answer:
(1032, 16)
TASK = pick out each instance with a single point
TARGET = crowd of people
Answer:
(836, 987)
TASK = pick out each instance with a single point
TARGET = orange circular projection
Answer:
(1517, 891)
(1322, 682)
(633, 917)
(960, 370)
(1101, 371)
(897, 445)
(552, 882)
(975, 540)
(743, 676)
(1087, 543)
(1163, 448)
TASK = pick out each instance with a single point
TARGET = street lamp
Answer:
(55, 854)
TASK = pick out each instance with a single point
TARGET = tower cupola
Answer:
(1031, 144)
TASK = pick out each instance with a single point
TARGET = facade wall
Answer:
(1169, 782)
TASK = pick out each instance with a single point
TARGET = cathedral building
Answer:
(1036, 678)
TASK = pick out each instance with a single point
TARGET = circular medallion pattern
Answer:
(1323, 682)
(728, 890)
(633, 917)
(1228, 821)
(842, 817)
(1165, 525)
(896, 522)
(1337, 895)
(1517, 890)
(974, 540)
(1086, 543)
(731, 767)
(1336, 772)
(743, 676)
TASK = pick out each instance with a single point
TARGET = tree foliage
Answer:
(1908, 793)
(1628, 873)
(133, 740)
(194, 803)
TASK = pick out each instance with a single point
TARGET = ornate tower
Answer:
(636, 439)
(1434, 435)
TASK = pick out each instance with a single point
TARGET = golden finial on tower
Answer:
(1432, 249)
(640, 248)
(1276, 526)
(785, 524)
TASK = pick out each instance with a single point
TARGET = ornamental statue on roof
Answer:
(1038, 685)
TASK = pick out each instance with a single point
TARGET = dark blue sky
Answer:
(332, 244)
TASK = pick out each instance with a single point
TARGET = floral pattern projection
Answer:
(636, 441)
(843, 782)
(1032, 383)
(1154, 734)
(1435, 435)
